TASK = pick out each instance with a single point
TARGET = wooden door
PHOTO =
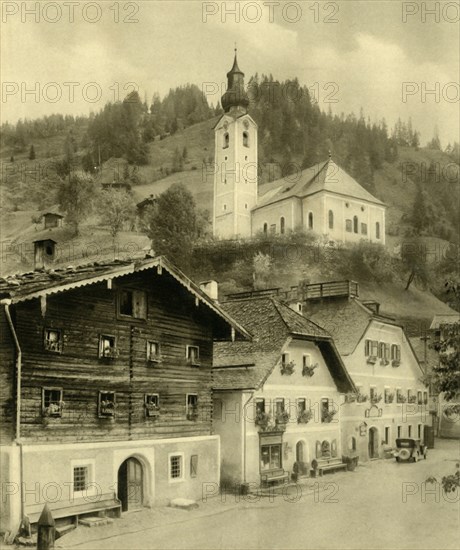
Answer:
(130, 485)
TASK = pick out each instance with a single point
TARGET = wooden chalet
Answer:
(52, 220)
(277, 398)
(106, 388)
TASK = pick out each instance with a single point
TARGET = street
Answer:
(382, 504)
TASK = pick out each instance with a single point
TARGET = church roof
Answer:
(325, 176)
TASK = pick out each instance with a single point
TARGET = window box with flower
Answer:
(282, 418)
(412, 399)
(328, 416)
(54, 410)
(107, 408)
(361, 397)
(192, 414)
(305, 417)
(309, 370)
(351, 397)
(287, 367)
(376, 398)
(262, 419)
(389, 397)
(152, 410)
(401, 398)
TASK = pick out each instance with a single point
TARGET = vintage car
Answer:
(409, 450)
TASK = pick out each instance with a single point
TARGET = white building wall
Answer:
(359, 418)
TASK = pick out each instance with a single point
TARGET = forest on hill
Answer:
(294, 133)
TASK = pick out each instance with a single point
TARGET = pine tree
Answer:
(32, 153)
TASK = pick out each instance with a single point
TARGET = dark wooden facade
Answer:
(174, 318)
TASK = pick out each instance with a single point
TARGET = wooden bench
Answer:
(274, 476)
(330, 466)
(80, 507)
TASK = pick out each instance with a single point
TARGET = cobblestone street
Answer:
(381, 505)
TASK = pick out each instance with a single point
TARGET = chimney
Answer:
(211, 288)
(44, 253)
(296, 306)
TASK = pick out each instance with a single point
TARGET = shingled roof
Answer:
(325, 176)
(346, 319)
(44, 282)
(247, 365)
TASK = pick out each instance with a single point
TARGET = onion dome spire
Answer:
(235, 96)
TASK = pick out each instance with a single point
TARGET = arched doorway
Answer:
(300, 454)
(373, 443)
(131, 484)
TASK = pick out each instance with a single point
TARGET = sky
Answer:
(384, 57)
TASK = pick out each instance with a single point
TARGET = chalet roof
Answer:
(52, 214)
(325, 176)
(418, 345)
(247, 365)
(44, 282)
(346, 319)
(444, 319)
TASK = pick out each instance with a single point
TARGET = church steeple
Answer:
(235, 96)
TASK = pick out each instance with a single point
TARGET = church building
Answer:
(322, 198)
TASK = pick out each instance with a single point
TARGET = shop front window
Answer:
(270, 457)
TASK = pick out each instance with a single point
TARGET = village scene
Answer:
(229, 312)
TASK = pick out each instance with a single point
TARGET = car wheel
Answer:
(404, 454)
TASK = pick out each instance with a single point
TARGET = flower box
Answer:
(288, 368)
(282, 418)
(152, 411)
(351, 397)
(390, 398)
(192, 415)
(262, 419)
(155, 359)
(107, 408)
(361, 398)
(384, 362)
(372, 359)
(305, 417)
(54, 410)
(110, 353)
(401, 399)
(412, 399)
(395, 363)
(309, 371)
(328, 416)
(376, 399)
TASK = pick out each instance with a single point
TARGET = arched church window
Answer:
(331, 219)
(226, 140)
(355, 224)
(245, 139)
(377, 230)
(282, 225)
(265, 228)
(310, 220)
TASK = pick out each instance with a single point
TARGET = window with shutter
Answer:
(132, 303)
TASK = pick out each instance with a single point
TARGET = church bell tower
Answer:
(235, 179)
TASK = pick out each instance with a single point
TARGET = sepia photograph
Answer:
(229, 274)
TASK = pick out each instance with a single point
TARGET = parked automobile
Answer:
(408, 450)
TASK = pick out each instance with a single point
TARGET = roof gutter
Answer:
(7, 304)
